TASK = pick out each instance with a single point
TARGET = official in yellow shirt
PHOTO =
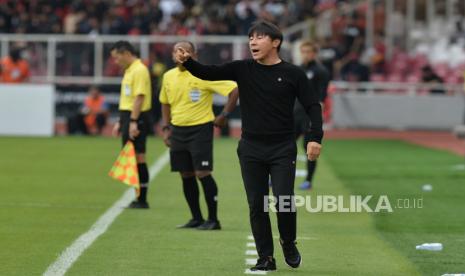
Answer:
(188, 121)
(134, 105)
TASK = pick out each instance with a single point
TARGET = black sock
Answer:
(191, 193)
(211, 192)
(311, 166)
(143, 180)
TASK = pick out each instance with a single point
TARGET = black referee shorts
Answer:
(192, 148)
(142, 124)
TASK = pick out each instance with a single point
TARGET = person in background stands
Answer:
(13, 68)
(92, 116)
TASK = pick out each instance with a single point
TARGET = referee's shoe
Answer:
(136, 204)
(193, 223)
(210, 225)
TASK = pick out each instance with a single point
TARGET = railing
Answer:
(75, 51)
(411, 89)
(84, 59)
(340, 87)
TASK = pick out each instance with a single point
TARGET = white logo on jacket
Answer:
(195, 95)
(310, 75)
(127, 90)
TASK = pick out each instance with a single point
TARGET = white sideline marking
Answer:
(250, 261)
(72, 253)
(300, 173)
(251, 252)
(302, 158)
(258, 272)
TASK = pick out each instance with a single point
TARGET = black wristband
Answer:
(165, 128)
(134, 120)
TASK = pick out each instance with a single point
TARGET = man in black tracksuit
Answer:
(318, 77)
(268, 87)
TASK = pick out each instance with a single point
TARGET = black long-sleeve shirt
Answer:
(319, 76)
(267, 95)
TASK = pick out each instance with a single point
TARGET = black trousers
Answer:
(259, 160)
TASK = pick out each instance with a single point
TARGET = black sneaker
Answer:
(265, 264)
(210, 225)
(193, 223)
(291, 254)
(138, 205)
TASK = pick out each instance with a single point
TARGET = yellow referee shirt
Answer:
(136, 81)
(191, 98)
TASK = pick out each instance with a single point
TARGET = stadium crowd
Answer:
(340, 30)
(147, 17)
(341, 44)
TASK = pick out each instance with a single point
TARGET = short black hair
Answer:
(15, 54)
(123, 45)
(262, 27)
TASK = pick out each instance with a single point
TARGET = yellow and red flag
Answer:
(125, 167)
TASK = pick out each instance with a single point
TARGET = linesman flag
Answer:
(125, 167)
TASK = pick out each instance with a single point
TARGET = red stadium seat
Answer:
(413, 78)
(418, 61)
(452, 79)
(442, 69)
(395, 78)
(377, 78)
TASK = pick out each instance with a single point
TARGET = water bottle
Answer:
(430, 246)
(427, 188)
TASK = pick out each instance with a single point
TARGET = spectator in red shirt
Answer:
(92, 116)
(13, 68)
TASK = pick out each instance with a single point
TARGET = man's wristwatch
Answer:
(134, 120)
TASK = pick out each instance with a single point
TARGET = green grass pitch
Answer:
(53, 190)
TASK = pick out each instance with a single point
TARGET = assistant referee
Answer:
(134, 105)
(188, 130)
